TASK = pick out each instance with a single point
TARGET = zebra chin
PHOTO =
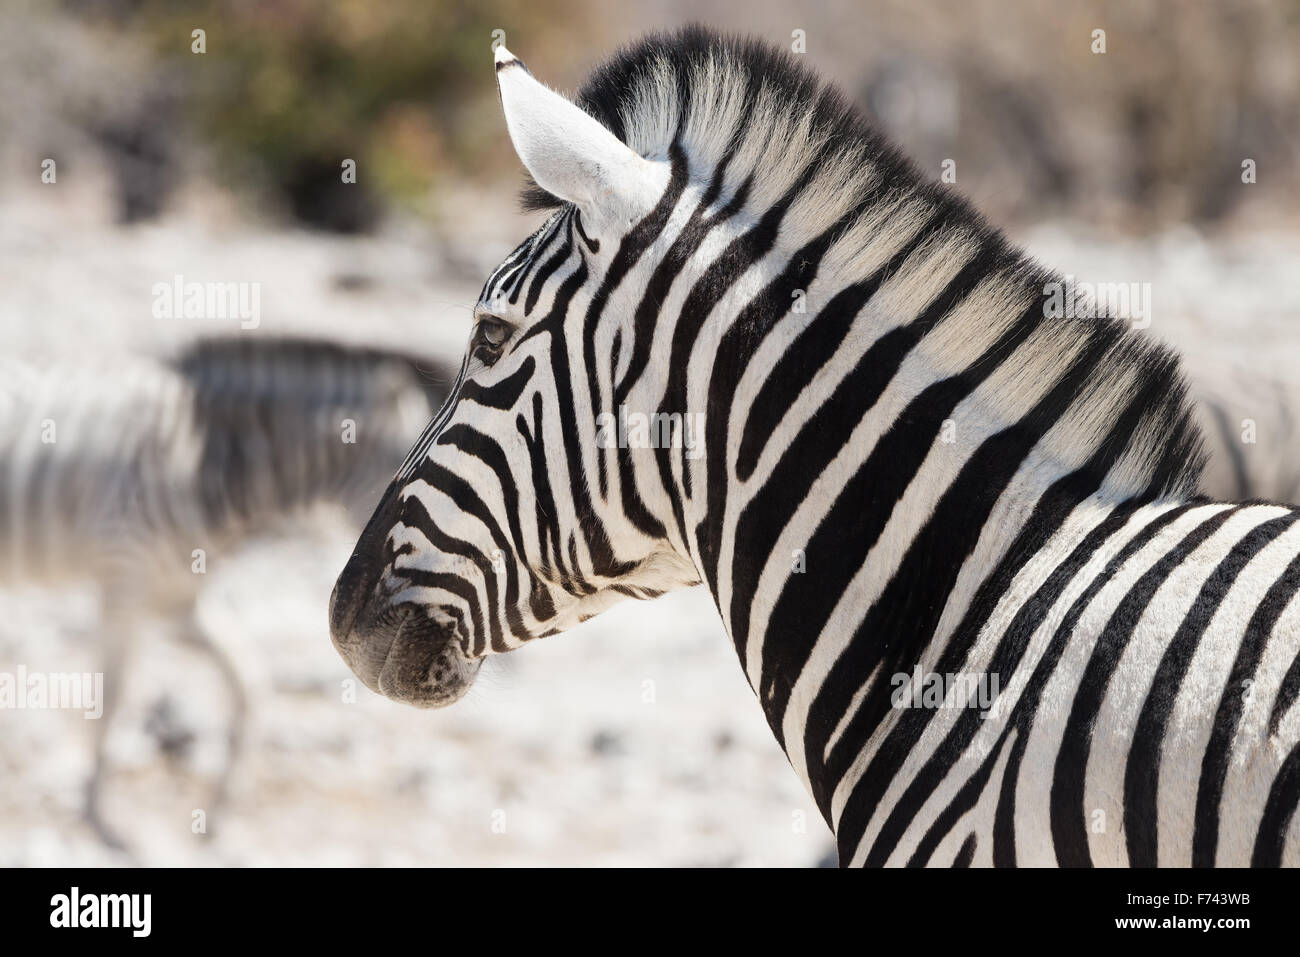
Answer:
(406, 655)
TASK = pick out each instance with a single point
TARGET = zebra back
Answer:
(110, 463)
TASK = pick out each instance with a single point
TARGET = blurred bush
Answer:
(1151, 133)
(288, 89)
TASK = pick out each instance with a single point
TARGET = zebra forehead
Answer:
(511, 271)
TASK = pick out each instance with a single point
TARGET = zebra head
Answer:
(547, 487)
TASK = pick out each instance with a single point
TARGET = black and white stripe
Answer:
(905, 465)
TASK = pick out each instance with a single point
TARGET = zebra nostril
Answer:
(422, 665)
(404, 653)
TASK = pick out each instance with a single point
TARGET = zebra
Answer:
(138, 472)
(1250, 418)
(752, 348)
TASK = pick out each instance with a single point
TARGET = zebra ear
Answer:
(568, 152)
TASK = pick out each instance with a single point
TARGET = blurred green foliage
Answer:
(1150, 133)
(289, 88)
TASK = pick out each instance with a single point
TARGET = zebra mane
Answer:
(253, 370)
(262, 406)
(776, 130)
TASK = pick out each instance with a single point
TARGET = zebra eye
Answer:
(490, 336)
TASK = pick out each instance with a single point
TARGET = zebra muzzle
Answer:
(405, 655)
(401, 651)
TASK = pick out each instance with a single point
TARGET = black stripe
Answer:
(1068, 815)
(675, 399)
(552, 558)
(1270, 839)
(812, 349)
(547, 270)
(454, 580)
(603, 561)
(591, 244)
(1218, 751)
(466, 499)
(541, 243)
(967, 852)
(734, 261)
(742, 339)
(517, 260)
(645, 320)
(1020, 722)
(901, 624)
(630, 249)
(898, 625)
(1286, 695)
(1052, 510)
(505, 393)
(1142, 770)
(469, 441)
(836, 548)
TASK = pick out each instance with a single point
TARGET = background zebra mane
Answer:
(777, 130)
(270, 410)
(253, 370)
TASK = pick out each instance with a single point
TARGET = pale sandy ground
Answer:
(560, 736)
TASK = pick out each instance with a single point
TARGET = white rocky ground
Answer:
(560, 737)
(633, 739)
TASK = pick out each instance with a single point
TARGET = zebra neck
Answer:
(889, 478)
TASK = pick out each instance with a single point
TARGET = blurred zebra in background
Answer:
(1250, 418)
(137, 473)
